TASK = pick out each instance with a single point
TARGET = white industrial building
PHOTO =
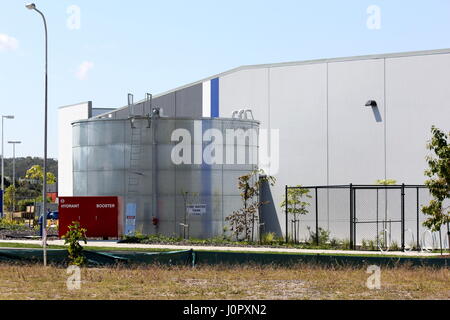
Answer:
(317, 109)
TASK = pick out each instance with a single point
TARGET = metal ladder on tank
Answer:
(134, 176)
(135, 158)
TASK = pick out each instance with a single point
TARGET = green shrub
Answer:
(394, 246)
(363, 244)
(73, 238)
(268, 238)
(335, 243)
(372, 245)
(324, 236)
(345, 244)
(13, 225)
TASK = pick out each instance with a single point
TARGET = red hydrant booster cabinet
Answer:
(100, 216)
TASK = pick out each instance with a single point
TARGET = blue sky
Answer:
(144, 46)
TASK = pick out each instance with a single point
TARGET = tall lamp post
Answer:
(32, 6)
(3, 166)
(14, 171)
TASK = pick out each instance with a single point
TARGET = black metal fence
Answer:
(379, 217)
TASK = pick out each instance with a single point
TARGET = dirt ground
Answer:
(248, 283)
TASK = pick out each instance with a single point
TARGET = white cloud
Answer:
(8, 43)
(83, 70)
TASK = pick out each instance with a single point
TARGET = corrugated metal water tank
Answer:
(115, 158)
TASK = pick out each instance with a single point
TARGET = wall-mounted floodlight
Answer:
(31, 6)
(371, 103)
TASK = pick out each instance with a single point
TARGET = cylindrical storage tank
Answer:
(162, 167)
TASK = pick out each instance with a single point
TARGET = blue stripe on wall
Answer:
(215, 98)
(207, 194)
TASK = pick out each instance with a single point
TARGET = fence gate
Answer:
(378, 217)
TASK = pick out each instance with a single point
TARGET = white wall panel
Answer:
(206, 100)
(418, 96)
(356, 132)
(67, 115)
(298, 109)
(247, 89)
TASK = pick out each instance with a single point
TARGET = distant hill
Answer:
(23, 164)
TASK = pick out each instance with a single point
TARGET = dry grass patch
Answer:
(223, 282)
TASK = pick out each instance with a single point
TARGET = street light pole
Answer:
(3, 166)
(14, 171)
(32, 6)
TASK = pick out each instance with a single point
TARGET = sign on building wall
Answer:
(196, 209)
(130, 221)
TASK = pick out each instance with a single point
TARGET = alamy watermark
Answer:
(74, 280)
(374, 17)
(238, 147)
(374, 280)
(73, 21)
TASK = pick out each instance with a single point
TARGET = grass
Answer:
(231, 250)
(325, 254)
(89, 248)
(249, 283)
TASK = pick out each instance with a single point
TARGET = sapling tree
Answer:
(296, 204)
(438, 171)
(242, 220)
(75, 249)
(10, 197)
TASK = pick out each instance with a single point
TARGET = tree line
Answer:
(24, 164)
(29, 177)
